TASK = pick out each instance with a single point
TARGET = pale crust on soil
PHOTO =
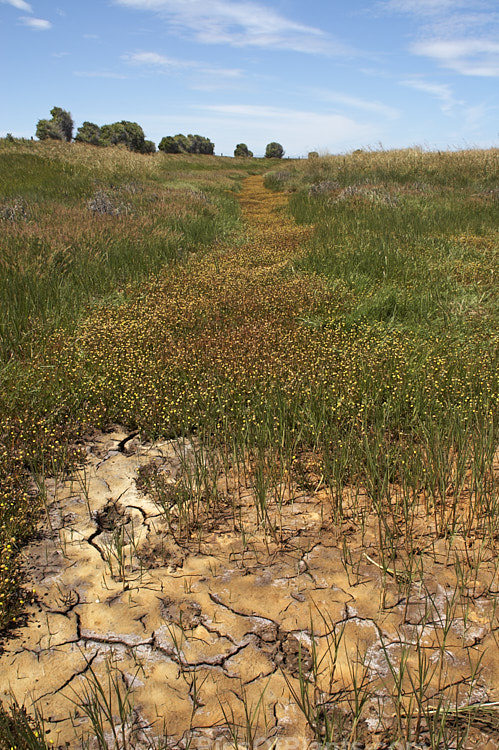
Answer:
(234, 619)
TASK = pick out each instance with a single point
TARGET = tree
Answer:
(186, 144)
(46, 129)
(198, 144)
(129, 134)
(59, 128)
(149, 147)
(274, 151)
(169, 145)
(64, 122)
(242, 150)
(90, 133)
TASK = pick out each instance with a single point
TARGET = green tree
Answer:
(46, 129)
(126, 133)
(63, 121)
(169, 145)
(186, 144)
(90, 133)
(59, 127)
(149, 147)
(198, 144)
(242, 150)
(274, 151)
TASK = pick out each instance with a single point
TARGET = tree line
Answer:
(129, 134)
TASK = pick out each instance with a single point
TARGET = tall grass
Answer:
(81, 228)
(74, 223)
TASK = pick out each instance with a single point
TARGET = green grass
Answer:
(60, 260)
(60, 253)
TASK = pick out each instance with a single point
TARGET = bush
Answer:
(186, 144)
(90, 133)
(46, 129)
(274, 151)
(242, 150)
(14, 210)
(59, 128)
(129, 134)
(103, 203)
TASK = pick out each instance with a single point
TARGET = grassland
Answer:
(343, 341)
(81, 229)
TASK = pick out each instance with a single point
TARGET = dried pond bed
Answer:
(270, 625)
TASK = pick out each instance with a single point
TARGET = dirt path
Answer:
(209, 636)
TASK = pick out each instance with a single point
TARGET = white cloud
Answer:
(423, 7)
(38, 24)
(155, 60)
(240, 24)
(459, 35)
(20, 5)
(224, 72)
(474, 117)
(469, 57)
(262, 124)
(365, 105)
(164, 64)
(98, 74)
(440, 91)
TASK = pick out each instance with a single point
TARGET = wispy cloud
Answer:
(366, 105)
(446, 18)
(423, 7)
(38, 24)
(469, 57)
(240, 24)
(266, 123)
(165, 64)
(98, 74)
(440, 91)
(155, 60)
(460, 35)
(20, 5)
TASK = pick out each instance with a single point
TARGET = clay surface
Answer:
(200, 629)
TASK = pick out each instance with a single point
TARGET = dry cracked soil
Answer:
(201, 633)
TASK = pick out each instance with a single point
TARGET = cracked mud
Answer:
(200, 627)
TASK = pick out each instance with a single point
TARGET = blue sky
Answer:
(326, 75)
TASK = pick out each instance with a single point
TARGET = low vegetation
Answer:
(354, 355)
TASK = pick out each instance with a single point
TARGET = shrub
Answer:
(274, 151)
(103, 203)
(186, 144)
(90, 133)
(14, 210)
(242, 150)
(127, 133)
(59, 128)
